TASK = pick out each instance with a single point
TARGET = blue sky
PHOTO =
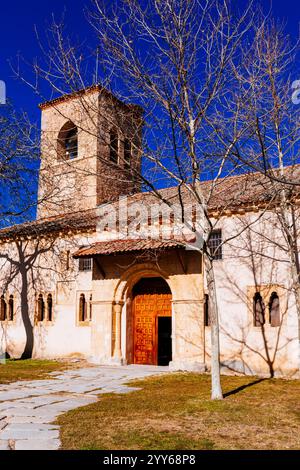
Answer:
(18, 17)
(17, 36)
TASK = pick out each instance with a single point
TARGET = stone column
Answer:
(117, 353)
(118, 314)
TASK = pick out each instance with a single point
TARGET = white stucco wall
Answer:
(244, 348)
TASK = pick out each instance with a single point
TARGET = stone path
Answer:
(27, 408)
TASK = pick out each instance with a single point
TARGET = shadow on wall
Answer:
(256, 340)
(29, 268)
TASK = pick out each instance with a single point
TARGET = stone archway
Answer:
(123, 306)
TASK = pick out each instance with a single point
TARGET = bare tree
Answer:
(190, 66)
(273, 145)
(178, 61)
(22, 259)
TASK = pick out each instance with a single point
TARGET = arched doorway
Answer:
(152, 322)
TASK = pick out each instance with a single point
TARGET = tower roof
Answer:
(84, 91)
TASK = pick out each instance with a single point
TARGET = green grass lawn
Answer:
(175, 412)
(29, 369)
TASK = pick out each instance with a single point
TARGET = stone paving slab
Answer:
(4, 445)
(30, 427)
(16, 433)
(32, 419)
(39, 444)
(27, 408)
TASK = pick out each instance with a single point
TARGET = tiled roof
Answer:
(121, 246)
(240, 192)
(81, 221)
(84, 91)
(232, 193)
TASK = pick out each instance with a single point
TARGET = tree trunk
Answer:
(28, 349)
(216, 389)
(296, 290)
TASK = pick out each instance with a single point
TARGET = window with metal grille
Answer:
(214, 244)
(85, 264)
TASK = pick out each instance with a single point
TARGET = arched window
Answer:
(113, 146)
(274, 310)
(127, 152)
(68, 141)
(11, 308)
(49, 307)
(258, 310)
(90, 307)
(40, 308)
(3, 308)
(82, 308)
(206, 311)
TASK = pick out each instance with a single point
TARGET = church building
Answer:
(85, 279)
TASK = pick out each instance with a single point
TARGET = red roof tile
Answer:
(246, 191)
(121, 246)
(84, 91)
(81, 221)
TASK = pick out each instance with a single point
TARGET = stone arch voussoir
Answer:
(133, 275)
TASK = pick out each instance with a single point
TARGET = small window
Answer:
(113, 146)
(67, 260)
(194, 215)
(85, 264)
(127, 152)
(207, 320)
(91, 307)
(214, 244)
(258, 310)
(40, 308)
(274, 310)
(82, 308)
(3, 308)
(49, 307)
(11, 308)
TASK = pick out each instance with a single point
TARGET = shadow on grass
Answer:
(242, 387)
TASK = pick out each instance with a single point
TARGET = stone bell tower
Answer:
(90, 151)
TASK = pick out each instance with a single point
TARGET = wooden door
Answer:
(146, 309)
